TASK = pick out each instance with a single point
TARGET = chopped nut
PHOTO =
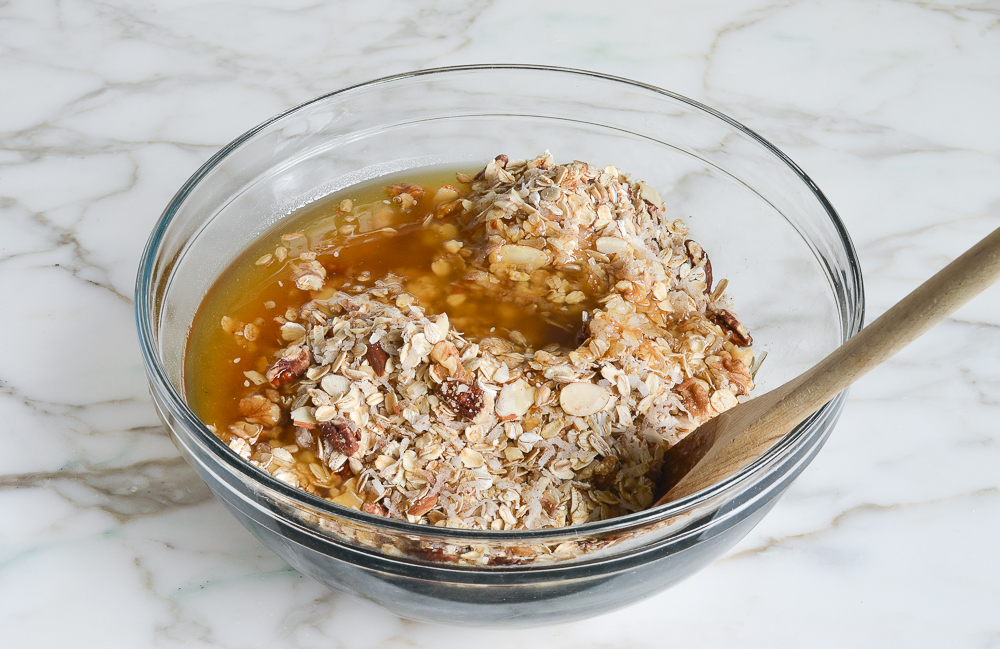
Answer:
(422, 506)
(694, 396)
(293, 363)
(445, 194)
(376, 358)
(445, 353)
(699, 257)
(605, 472)
(583, 399)
(414, 191)
(733, 327)
(464, 398)
(340, 435)
(303, 417)
(259, 409)
(255, 377)
(722, 400)
(515, 399)
(374, 508)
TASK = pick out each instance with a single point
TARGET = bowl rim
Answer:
(146, 306)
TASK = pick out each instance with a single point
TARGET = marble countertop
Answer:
(890, 538)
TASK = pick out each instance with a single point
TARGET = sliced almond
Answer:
(583, 399)
(303, 417)
(650, 195)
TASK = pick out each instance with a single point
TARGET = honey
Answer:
(361, 235)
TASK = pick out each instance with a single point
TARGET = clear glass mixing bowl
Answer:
(792, 269)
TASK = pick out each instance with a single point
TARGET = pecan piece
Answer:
(605, 472)
(694, 396)
(422, 506)
(695, 252)
(444, 210)
(258, 409)
(416, 191)
(735, 330)
(376, 358)
(293, 363)
(466, 399)
(372, 507)
(699, 257)
(340, 435)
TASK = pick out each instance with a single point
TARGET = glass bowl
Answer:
(792, 269)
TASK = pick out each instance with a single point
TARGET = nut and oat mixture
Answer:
(396, 410)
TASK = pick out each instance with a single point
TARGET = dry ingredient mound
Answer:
(426, 425)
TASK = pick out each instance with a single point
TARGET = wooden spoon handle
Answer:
(743, 434)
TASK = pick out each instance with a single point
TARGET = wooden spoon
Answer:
(727, 443)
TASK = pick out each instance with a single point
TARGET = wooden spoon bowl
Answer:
(727, 443)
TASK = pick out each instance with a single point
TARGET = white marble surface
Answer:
(891, 538)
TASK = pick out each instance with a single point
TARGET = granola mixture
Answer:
(398, 410)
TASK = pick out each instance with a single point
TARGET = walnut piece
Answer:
(259, 409)
(699, 257)
(605, 472)
(293, 363)
(694, 395)
(737, 333)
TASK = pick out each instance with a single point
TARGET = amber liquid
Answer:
(262, 296)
